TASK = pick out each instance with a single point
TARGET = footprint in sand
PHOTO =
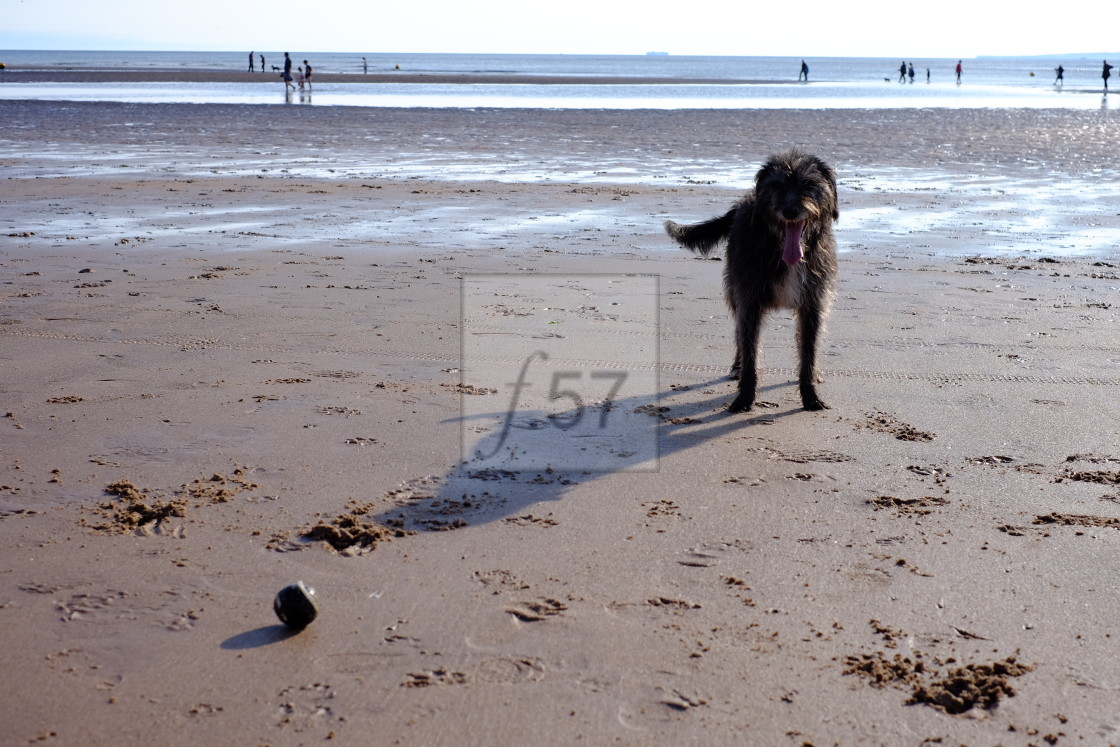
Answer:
(709, 554)
(530, 520)
(510, 669)
(435, 677)
(537, 609)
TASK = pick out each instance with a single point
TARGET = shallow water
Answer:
(831, 95)
(864, 83)
(881, 210)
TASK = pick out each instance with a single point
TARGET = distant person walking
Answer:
(365, 67)
(902, 72)
(910, 72)
(927, 76)
(251, 68)
(804, 74)
(262, 63)
(307, 74)
(1106, 74)
(959, 70)
(287, 74)
(1061, 72)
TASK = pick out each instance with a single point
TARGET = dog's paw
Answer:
(742, 403)
(814, 405)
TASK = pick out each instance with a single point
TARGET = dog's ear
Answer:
(766, 171)
(830, 177)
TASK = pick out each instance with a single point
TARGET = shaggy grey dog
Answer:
(780, 254)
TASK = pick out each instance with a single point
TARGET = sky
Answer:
(806, 28)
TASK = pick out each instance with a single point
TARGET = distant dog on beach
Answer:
(780, 254)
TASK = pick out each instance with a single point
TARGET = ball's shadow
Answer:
(258, 637)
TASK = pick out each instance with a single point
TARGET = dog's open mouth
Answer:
(791, 251)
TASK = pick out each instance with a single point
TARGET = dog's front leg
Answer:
(748, 321)
(737, 364)
(809, 323)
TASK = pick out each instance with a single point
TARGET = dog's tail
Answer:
(702, 237)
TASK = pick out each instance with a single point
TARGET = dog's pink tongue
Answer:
(791, 253)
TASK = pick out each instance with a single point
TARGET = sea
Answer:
(741, 82)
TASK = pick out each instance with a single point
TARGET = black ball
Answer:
(295, 605)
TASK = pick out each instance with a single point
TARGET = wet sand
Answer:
(232, 358)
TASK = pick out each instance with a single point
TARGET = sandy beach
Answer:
(236, 354)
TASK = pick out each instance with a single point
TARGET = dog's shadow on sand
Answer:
(530, 457)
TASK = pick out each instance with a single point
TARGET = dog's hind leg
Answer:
(810, 322)
(748, 321)
(737, 364)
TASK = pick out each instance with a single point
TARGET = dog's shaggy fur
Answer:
(780, 254)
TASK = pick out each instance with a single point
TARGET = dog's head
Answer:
(795, 190)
